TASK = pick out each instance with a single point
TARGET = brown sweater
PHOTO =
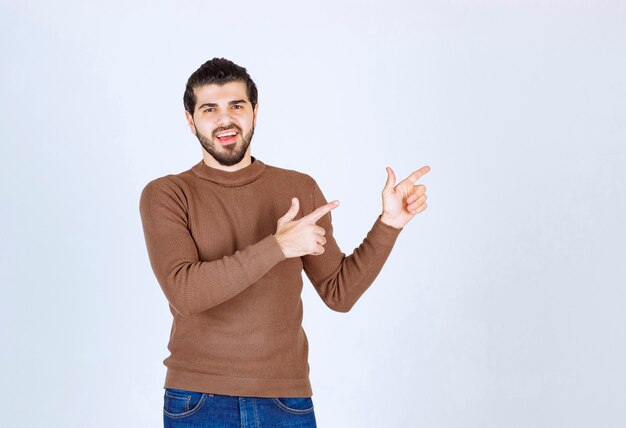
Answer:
(234, 297)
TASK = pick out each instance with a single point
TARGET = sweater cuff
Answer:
(384, 233)
(271, 249)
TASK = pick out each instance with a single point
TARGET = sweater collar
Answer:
(230, 178)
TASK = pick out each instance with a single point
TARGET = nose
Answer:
(225, 119)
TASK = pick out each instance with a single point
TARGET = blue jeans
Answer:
(190, 409)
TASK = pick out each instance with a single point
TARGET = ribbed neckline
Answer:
(230, 178)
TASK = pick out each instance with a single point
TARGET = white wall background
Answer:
(502, 305)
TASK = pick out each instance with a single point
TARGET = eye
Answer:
(238, 106)
(209, 109)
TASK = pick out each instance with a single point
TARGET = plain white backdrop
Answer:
(501, 305)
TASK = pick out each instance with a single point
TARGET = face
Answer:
(221, 111)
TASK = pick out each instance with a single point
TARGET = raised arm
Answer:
(340, 280)
(192, 286)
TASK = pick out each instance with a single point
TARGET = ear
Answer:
(190, 121)
(256, 109)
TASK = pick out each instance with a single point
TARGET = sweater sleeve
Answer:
(190, 285)
(340, 280)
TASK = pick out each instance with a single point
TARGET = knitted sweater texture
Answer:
(234, 296)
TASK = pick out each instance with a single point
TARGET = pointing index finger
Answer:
(320, 212)
(417, 174)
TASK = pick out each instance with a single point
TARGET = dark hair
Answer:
(217, 71)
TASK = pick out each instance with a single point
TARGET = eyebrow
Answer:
(230, 103)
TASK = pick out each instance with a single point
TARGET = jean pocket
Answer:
(298, 405)
(178, 403)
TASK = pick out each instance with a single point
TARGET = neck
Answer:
(210, 161)
(222, 177)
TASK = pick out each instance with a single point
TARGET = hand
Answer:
(402, 202)
(301, 237)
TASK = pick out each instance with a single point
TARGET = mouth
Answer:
(227, 137)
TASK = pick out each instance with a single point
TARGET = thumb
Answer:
(391, 179)
(292, 211)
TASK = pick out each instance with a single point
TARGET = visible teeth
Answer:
(227, 134)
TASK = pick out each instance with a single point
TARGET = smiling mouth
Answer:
(227, 137)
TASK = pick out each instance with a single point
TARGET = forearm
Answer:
(195, 286)
(350, 276)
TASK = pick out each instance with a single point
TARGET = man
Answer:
(227, 241)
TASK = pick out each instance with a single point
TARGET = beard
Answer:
(226, 155)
